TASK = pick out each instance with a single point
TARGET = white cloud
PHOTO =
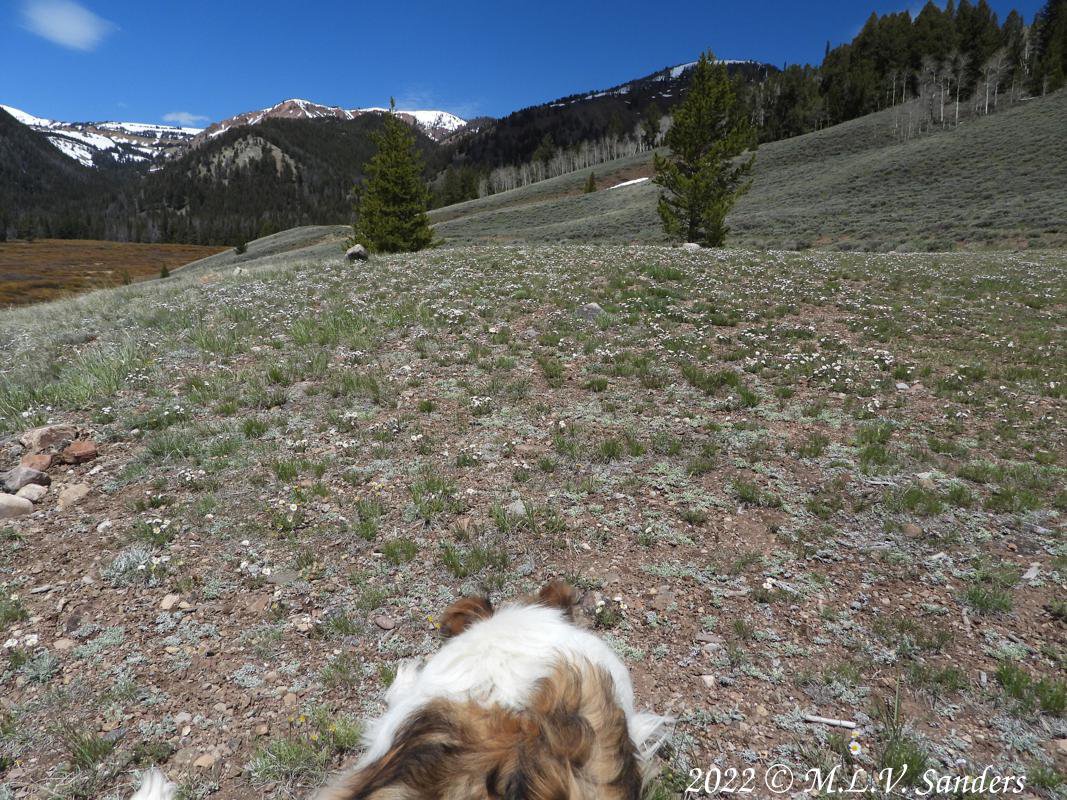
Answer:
(65, 23)
(184, 118)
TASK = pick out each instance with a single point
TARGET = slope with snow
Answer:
(436, 124)
(122, 142)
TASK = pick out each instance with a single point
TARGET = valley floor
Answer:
(45, 269)
(786, 483)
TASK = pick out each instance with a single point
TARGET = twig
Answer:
(837, 723)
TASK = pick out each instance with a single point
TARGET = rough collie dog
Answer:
(520, 704)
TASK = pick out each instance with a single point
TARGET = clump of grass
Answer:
(814, 446)
(463, 563)
(900, 752)
(1047, 694)
(915, 499)
(11, 610)
(400, 550)
(84, 748)
(552, 369)
(989, 589)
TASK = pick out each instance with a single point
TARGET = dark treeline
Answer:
(960, 60)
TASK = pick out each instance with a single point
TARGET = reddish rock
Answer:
(79, 452)
(38, 461)
(49, 438)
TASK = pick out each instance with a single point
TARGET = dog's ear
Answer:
(463, 613)
(557, 594)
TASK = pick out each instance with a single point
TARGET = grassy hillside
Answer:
(996, 182)
(842, 484)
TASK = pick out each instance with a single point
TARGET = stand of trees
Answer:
(947, 64)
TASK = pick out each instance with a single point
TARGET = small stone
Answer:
(902, 387)
(516, 508)
(73, 495)
(289, 700)
(79, 452)
(911, 530)
(709, 681)
(691, 247)
(357, 252)
(50, 438)
(386, 623)
(17, 477)
(182, 717)
(205, 761)
(33, 492)
(11, 506)
(169, 602)
(38, 461)
(63, 644)
(590, 311)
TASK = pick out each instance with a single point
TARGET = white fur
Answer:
(498, 661)
(155, 786)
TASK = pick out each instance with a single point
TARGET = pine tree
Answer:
(391, 206)
(703, 176)
(590, 185)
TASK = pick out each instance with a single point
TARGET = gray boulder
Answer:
(11, 506)
(590, 311)
(691, 247)
(357, 252)
(15, 479)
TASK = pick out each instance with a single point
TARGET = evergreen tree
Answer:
(703, 176)
(650, 125)
(1050, 56)
(590, 185)
(391, 205)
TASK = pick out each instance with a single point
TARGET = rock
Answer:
(79, 452)
(516, 508)
(902, 387)
(17, 477)
(664, 598)
(11, 506)
(206, 761)
(169, 602)
(73, 494)
(357, 252)
(50, 438)
(911, 530)
(33, 492)
(709, 681)
(590, 311)
(289, 700)
(384, 622)
(1061, 747)
(182, 717)
(63, 644)
(691, 247)
(38, 461)
(1033, 572)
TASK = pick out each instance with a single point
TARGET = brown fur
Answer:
(557, 594)
(571, 743)
(463, 613)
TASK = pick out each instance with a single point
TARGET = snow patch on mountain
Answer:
(120, 141)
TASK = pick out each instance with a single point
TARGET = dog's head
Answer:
(570, 737)
(467, 610)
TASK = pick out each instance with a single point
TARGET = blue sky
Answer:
(203, 60)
